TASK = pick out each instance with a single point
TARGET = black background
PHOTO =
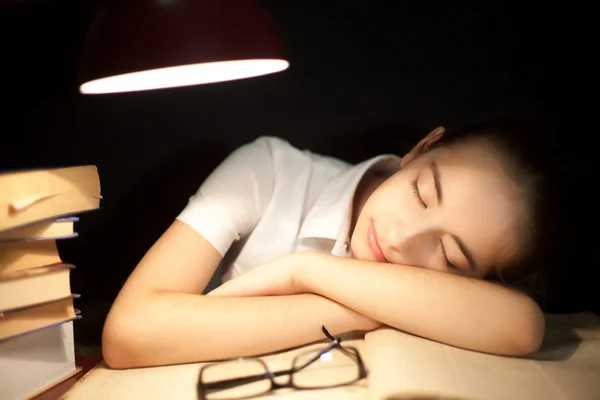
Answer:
(366, 77)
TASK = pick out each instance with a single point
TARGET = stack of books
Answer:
(37, 209)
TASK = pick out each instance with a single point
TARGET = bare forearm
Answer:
(172, 328)
(463, 312)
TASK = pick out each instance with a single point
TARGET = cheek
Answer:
(392, 197)
(358, 241)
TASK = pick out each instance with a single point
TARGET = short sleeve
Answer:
(230, 202)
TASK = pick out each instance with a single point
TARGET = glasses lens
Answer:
(234, 380)
(332, 368)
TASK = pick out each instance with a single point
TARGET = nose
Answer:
(402, 236)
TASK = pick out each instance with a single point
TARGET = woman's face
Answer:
(450, 209)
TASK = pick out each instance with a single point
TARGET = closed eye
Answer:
(415, 189)
(444, 256)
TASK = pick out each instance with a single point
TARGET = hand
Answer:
(275, 278)
(278, 278)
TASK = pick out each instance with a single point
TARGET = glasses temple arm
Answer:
(231, 383)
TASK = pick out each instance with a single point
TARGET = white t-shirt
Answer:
(268, 199)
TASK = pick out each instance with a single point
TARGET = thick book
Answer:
(40, 194)
(32, 363)
(53, 229)
(35, 286)
(22, 255)
(39, 316)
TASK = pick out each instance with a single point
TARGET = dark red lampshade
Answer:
(151, 44)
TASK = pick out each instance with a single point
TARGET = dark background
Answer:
(366, 77)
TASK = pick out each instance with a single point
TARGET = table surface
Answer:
(180, 381)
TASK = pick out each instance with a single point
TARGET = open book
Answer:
(566, 368)
(403, 366)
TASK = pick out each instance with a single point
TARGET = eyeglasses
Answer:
(323, 367)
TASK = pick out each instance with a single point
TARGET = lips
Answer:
(373, 243)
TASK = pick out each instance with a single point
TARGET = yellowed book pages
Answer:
(37, 317)
(404, 366)
(17, 256)
(35, 195)
(179, 382)
(35, 286)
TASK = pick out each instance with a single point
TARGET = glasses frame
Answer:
(202, 387)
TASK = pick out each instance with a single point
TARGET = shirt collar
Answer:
(330, 216)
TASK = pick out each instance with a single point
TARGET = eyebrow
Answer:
(436, 180)
(438, 190)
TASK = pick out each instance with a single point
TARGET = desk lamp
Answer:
(136, 45)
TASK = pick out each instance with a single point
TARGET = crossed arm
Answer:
(452, 309)
(159, 317)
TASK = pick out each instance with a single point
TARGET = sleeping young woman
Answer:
(426, 243)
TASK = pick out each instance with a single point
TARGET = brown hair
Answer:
(512, 143)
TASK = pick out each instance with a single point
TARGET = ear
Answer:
(423, 145)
